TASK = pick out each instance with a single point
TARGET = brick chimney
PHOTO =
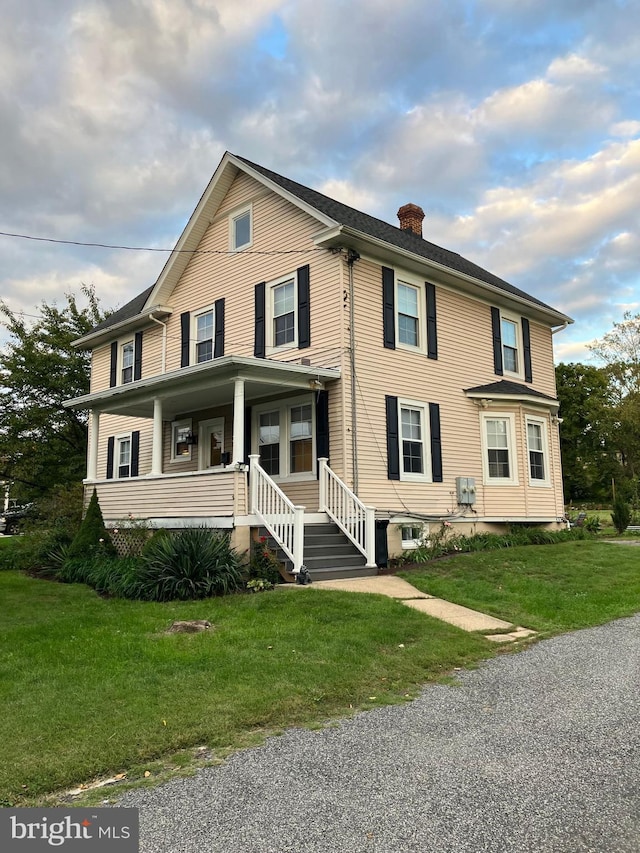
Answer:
(411, 216)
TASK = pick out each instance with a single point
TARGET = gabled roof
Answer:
(408, 240)
(330, 213)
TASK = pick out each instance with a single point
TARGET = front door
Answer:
(210, 443)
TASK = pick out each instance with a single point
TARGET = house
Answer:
(300, 364)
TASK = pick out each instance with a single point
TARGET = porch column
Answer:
(156, 455)
(94, 437)
(237, 453)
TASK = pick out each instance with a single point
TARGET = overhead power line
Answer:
(157, 249)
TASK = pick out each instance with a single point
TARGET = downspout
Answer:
(560, 328)
(352, 257)
(164, 342)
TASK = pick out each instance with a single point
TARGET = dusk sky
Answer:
(515, 124)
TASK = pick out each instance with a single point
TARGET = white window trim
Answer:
(517, 321)
(125, 436)
(513, 480)
(175, 426)
(426, 476)
(411, 281)
(270, 347)
(237, 214)
(193, 337)
(122, 342)
(284, 407)
(546, 483)
(412, 544)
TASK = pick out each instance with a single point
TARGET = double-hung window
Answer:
(414, 440)
(126, 362)
(123, 456)
(499, 449)
(181, 438)
(283, 297)
(510, 346)
(408, 314)
(269, 441)
(537, 443)
(241, 229)
(204, 332)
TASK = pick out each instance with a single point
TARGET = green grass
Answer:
(550, 588)
(92, 686)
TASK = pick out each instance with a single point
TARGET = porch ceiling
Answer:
(205, 386)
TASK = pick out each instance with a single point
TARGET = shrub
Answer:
(107, 575)
(92, 537)
(264, 564)
(195, 563)
(621, 514)
(443, 543)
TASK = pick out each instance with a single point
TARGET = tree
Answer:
(588, 459)
(42, 444)
(619, 350)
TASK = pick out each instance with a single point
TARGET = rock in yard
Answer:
(192, 627)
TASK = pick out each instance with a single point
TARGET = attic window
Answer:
(241, 229)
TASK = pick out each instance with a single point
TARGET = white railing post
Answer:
(370, 535)
(253, 481)
(298, 537)
(322, 479)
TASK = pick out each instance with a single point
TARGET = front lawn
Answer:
(550, 588)
(94, 686)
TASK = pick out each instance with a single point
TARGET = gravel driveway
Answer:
(536, 751)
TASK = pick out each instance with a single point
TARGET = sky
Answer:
(514, 124)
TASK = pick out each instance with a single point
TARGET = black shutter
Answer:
(432, 328)
(322, 424)
(247, 434)
(113, 372)
(259, 340)
(111, 446)
(497, 342)
(185, 330)
(135, 452)
(137, 356)
(526, 349)
(218, 348)
(304, 308)
(388, 308)
(393, 440)
(436, 442)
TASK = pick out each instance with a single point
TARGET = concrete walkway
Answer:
(454, 614)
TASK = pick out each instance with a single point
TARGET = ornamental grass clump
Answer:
(195, 563)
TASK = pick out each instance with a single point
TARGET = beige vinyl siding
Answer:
(277, 224)
(151, 351)
(203, 495)
(465, 359)
(100, 368)
(120, 425)
(303, 493)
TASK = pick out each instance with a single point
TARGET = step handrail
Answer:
(283, 519)
(357, 521)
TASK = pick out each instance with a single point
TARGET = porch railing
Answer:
(283, 519)
(356, 520)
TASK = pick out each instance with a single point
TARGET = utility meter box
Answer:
(466, 490)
